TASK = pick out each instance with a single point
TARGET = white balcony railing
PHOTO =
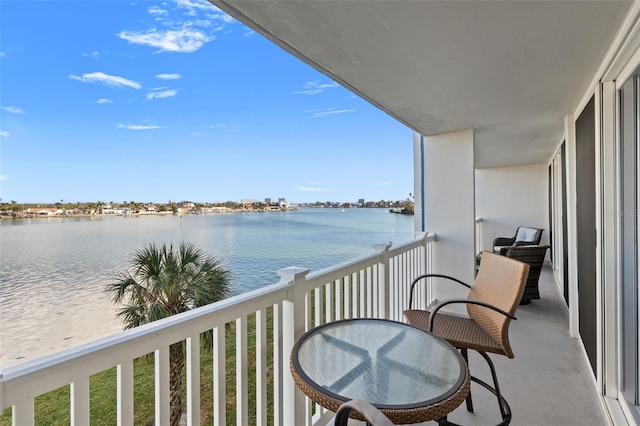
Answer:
(269, 319)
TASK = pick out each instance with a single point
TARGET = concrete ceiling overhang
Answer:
(510, 70)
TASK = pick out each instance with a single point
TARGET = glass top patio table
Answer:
(409, 374)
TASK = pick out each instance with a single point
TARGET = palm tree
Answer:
(166, 281)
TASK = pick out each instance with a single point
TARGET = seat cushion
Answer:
(526, 234)
(461, 332)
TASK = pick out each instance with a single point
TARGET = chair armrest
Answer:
(372, 415)
(503, 241)
(524, 243)
(466, 301)
(415, 281)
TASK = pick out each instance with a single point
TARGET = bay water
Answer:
(54, 270)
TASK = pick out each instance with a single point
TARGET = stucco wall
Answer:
(447, 194)
(508, 197)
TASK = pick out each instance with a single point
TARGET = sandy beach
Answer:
(55, 328)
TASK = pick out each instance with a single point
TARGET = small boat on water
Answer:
(401, 210)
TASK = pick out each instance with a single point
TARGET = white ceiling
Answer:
(511, 70)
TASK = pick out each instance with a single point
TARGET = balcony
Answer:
(549, 381)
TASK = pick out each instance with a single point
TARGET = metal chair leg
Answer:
(505, 410)
(469, 401)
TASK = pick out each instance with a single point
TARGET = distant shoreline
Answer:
(148, 214)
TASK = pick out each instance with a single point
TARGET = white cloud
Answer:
(197, 133)
(383, 184)
(167, 76)
(109, 80)
(221, 16)
(94, 54)
(104, 101)
(4, 177)
(139, 126)
(160, 95)
(155, 10)
(3, 54)
(4, 134)
(195, 4)
(315, 87)
(186, 40)
(320, 113)
(13, 109)
(310, 189)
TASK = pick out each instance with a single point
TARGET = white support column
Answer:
(293, 321)
(445, 194)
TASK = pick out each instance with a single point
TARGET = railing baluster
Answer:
(328, 300)
(347, 297)
(80, 402)
(125, 393)
(278, 363)
(404, 294)
(193, 380)
(162, 398)
(23, 414)
(242, 373)
(261, 368)
(364, 279)
(317, 306)
(355, 313)
(219, 377)
(338, 303)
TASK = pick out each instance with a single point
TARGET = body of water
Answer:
(54, 270)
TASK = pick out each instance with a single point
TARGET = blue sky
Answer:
(156, 101)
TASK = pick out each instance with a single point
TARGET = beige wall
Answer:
(508, 197)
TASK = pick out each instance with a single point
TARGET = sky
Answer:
(175, 100)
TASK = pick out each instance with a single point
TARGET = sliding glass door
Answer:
(629, 96)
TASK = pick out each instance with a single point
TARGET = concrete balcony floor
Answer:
(549, 382)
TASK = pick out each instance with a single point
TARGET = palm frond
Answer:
(166, 280)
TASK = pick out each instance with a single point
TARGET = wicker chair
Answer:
(534, 257)
(491, 304)
(372, 415)
(524, 236)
